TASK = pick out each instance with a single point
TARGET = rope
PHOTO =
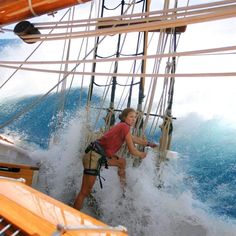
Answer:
(17, 68)
(31, 8)
(160, 48)
(61, 229)
(202, 52)
(122, 85)
(218, 13)
(108, 87)
(86, 50)
(186, 10)
(176, 75)
(37, 101)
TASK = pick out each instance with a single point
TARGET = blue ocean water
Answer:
(208, 155)
(38, 120)
(206, 147)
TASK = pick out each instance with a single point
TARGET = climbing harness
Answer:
(97, 158)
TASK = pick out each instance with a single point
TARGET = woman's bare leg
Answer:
(86, 188)
(121, 164)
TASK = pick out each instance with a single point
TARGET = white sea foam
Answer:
(146, 209)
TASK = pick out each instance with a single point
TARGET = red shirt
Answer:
(113, 139)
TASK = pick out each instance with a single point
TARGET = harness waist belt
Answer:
(96, 147)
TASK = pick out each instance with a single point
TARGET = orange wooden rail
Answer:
(12, 11)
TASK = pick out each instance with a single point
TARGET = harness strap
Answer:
(91, 172)
(96, 147)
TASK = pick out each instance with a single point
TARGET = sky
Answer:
(211, 97)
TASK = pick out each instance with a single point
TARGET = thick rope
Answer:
(105, 20)
(215, 14)
(155, 74)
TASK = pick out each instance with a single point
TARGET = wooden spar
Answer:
(18, 10)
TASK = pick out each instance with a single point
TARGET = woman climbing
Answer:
(103, 151)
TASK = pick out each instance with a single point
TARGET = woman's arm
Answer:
(132, 149)
(143, 142)
(139, 140)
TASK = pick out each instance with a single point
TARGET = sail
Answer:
(18, 10)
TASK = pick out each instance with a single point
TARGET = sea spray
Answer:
(146, 208)
(61, 165)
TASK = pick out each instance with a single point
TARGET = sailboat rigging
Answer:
(121, 55)
(166, 22)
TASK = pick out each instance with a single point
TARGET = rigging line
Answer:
(66, 93)
(63, 53)
(146, 8)
(61, 99)
(102, 102)
(122, 3)
(101, 85)
(202, 52)
(100, 12)
(110, 9)
(94, 65)
(7, 80)
(2, 30)
(131, 71)
(161, 105)
(140, 65)
(160, 48)
(177, 75)
(37, 101)
(123, 12)
(161, 102)
(86, 50)
(155, 63)
(134, 54)
(118, 50)
(141, 37)
(167, 82)
(125, 98)
(90, 89)
(157, 118)
(120, 104)
(122, 94)
(105, 56)
(31, 8)
(124, 21)
(192, 7)
(229, 13)
(121, 54)
(106, 89)
(95, 53)
(128, 84)
(122, 85)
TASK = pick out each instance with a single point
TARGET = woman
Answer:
(106, 147)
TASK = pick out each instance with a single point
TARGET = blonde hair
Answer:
(125, 113)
